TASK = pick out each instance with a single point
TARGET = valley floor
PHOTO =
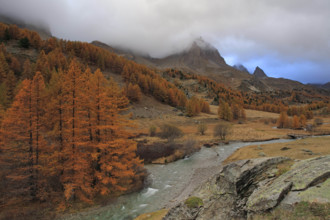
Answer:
(300, 149)
(259, 126)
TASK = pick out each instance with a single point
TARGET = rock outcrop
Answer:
(258, 72)
(246, 187)
(302, 175)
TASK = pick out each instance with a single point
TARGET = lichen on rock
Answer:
(245, 187)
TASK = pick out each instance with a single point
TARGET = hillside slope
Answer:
(203, 59)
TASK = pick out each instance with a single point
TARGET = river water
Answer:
(168, 182)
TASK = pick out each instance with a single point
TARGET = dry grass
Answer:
(254, 114)
(158, 215)
(299, 149)
(163, 160)
(258, 126)
(253, 129)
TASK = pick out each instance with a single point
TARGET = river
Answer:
(169, 184)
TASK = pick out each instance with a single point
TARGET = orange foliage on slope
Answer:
(70, 139)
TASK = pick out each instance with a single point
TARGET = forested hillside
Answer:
(63, 137)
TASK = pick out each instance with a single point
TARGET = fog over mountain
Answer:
(287, 38)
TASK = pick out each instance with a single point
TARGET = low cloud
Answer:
(293, 32)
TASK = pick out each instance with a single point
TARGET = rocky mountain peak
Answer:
(203, 45)
(258, 72)
(201, 54)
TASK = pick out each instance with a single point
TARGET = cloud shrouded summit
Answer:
(288, 38)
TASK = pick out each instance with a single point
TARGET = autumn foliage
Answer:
(194, 106)
(296, 122)
(133, 92)
(68, 140)
(229, 113)
(275, 101)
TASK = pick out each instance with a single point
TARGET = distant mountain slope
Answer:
(204, 59)
(200, 58)
(325, 86)
(262, 83)
(42, 30)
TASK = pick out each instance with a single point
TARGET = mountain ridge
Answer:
(203, 59)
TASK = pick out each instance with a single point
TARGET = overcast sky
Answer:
(286, 38)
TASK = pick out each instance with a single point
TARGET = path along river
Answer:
(170, 183)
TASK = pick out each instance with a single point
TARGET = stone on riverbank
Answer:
(243, 188)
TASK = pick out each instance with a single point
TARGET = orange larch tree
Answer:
(283, 120)
(302, 120)
(42, 65)
(77, 173)
(40, 161)
(133, 92)
(116, 161)
(205, 107)
(22, 136)
(54, 123)
(224, 111)
(17, 139)
(295, 122)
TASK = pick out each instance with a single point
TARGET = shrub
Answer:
(202, 128)
(221, 130)
(170, 132)
(194, 202)
(152, 130)
(189, 146)
(156, 150)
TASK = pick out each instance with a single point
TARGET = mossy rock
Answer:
(194, 202)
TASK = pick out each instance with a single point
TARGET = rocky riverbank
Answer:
(245, 188)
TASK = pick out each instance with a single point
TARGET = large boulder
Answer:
(246, 187)
(223, 193)
(302, 175)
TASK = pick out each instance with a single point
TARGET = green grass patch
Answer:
(194, 202)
